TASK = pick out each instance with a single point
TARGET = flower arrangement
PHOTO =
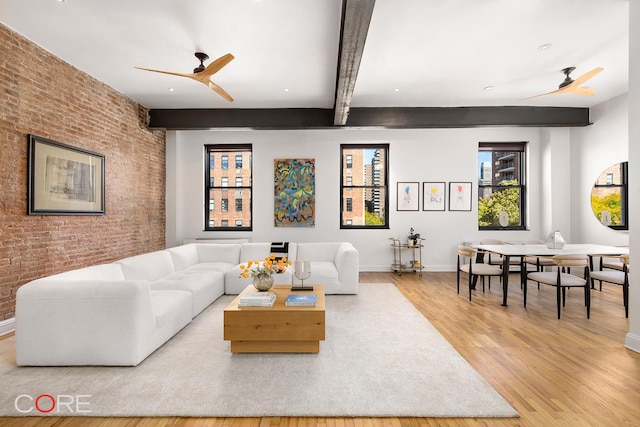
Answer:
(265, 268)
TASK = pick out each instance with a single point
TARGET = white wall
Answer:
(415, 155)
(593, 149)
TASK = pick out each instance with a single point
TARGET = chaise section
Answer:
(63, 321)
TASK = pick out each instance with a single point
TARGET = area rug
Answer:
(381, 357)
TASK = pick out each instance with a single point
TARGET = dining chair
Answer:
(612, 263)
(563, 280)
(615, 277)
(539, 263)
(496, 259)
(467, 263)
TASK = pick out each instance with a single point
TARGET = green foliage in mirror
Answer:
(611, 203)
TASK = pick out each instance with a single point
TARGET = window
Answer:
(501, 185)
(364, 194)
(232, 199)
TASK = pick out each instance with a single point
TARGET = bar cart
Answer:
(413, 256)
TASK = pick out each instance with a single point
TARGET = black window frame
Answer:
(247, 184)
(520, 148)
(384, 186)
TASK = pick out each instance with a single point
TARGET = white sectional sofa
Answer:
(119, 313)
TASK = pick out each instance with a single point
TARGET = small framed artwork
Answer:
(433, 196)
(459, 196)
(408, 196)
(64, 180)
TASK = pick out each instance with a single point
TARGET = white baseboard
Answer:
(7, 326)
(632, 342)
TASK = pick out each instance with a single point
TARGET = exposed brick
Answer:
(41, 94)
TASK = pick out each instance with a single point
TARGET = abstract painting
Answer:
(294, 192)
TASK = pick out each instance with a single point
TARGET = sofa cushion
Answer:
(320, 251)
(218, 252)
(259, 251)
(172, 309)
(322, 273)
(204, 286)
(184, 256)
(149, 266)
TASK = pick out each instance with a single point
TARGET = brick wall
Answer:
(43, 95)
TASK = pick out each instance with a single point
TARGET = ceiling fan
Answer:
(203, 74)
(570, 85)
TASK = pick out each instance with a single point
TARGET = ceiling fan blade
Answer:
(543, 94)
(574, 86)
(166, 72)
(586, 76)
(586, 91)
(216, 65)
(217, 89)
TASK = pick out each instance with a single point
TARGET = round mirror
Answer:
(609, 198)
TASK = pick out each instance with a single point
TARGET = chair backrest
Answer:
(491, 242)
(466, 251)
(571, 260)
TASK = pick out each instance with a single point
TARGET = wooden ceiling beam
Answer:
(356, 16)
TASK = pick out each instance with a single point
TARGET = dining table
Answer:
(508, 251)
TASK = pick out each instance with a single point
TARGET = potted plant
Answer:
(412, 238)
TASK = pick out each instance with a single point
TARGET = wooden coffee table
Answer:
(276, 329)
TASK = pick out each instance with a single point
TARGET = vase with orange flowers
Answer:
(262, 272)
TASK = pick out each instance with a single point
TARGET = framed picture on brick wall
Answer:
(64, 180)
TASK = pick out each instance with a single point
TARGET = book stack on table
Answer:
(301, 300)
(257, 299)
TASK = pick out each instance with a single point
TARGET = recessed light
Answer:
(396, 90)
(544, 46)
(286, 90)
(170, 89)
(488, 87)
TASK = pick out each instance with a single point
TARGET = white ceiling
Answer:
(418, 53)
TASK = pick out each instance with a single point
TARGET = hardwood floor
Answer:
(567, 372)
